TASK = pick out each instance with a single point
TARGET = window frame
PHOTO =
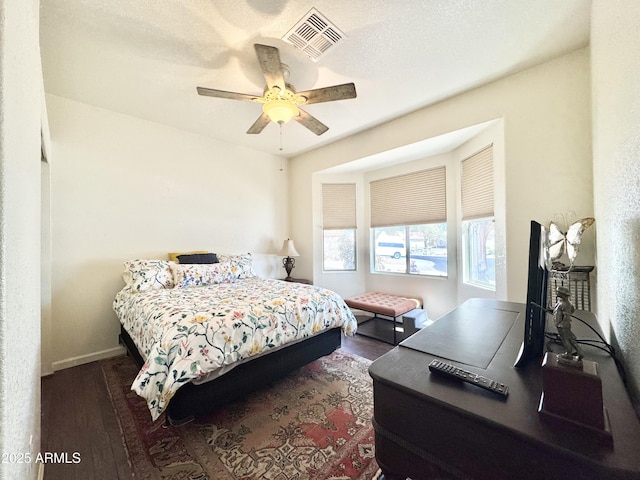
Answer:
(409, 258)
(417, 198)
(468, 256)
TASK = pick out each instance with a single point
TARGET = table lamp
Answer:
(288, 250)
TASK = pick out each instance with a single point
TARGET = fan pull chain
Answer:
(280, 149)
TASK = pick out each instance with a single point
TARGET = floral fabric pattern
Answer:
(198, 275)
(184, 333)
(241, 265)
(141, 275)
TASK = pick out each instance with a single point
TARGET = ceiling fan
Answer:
(280, 101)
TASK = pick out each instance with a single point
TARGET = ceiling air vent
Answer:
(314, 35)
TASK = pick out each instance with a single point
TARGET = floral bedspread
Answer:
(184, 333)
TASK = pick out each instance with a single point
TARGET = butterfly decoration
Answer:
(559, 242)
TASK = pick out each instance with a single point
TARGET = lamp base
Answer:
(289, 264)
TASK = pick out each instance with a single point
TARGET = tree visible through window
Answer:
(339, 251)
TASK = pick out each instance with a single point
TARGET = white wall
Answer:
(45, 269)
(123, 188)
(547, 155)
(615, 42)
(21, 92)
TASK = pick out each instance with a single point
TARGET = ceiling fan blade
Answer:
(329, 94)
(210, 92)
(269, 58)
(259, 124)
(311, 122)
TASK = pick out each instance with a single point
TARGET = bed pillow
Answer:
(199, 258)
(198, 274)
(141, 275)
(173, 257)
(241, 265)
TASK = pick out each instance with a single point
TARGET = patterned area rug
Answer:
(313, 424)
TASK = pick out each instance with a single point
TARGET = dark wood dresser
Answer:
(430, 427)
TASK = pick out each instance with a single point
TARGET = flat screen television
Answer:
(532, 348)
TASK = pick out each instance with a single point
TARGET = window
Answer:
(339, 226)
(339, 247)
(425, 244)
(479, 248)
(408, 220)
(478, 226)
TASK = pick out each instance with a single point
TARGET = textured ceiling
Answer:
(144, 58)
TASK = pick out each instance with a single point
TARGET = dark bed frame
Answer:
(193, 400)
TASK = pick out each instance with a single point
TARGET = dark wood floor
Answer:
(365, 347)
(77, 416)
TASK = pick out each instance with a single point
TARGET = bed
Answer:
(206, 334)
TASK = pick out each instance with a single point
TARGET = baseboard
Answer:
(91, 357)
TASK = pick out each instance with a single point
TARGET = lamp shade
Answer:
(288, 249)
(280, 111)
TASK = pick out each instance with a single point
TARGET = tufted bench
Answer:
(387, 305)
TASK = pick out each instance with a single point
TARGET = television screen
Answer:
(532, 348)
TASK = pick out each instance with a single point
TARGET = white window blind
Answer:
(411, 199)
(338, 206)
(477, 184)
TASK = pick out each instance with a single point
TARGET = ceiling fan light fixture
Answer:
(280, 111)
(279, 99)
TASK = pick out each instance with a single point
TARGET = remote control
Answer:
(452, 371)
